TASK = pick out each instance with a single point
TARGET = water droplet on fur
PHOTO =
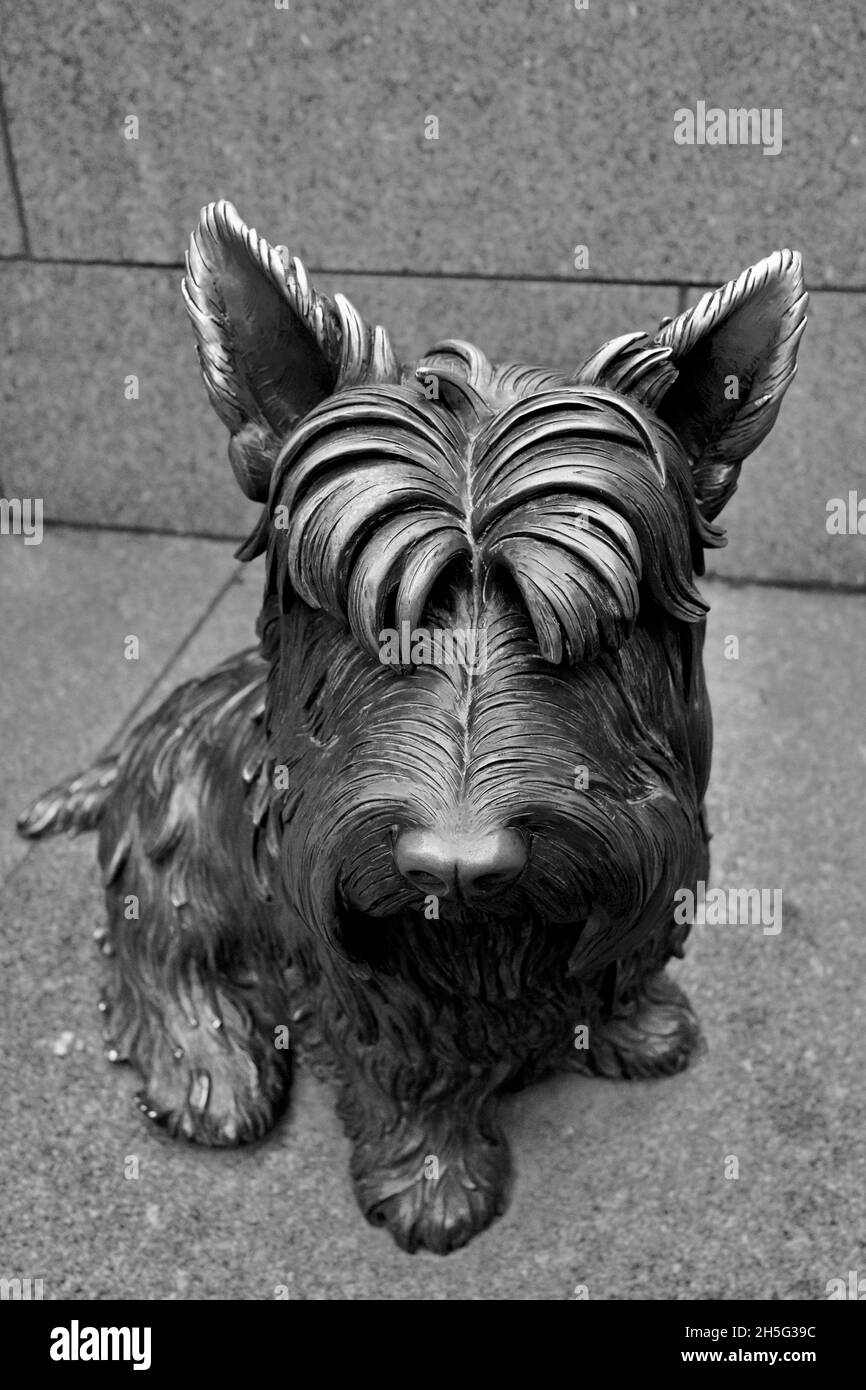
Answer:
(216, 1023)
(199, 1091)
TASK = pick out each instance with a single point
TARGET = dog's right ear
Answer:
(269, 345)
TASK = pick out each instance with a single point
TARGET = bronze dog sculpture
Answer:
(443, 877)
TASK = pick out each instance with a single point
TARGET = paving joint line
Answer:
(17, 195)
(481, 277)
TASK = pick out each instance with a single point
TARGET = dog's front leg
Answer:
(196, 1001)
(434, 1170)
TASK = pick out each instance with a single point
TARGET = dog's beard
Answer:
(496, 951)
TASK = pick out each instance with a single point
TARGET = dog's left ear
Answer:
(717, 373)
(270, 345)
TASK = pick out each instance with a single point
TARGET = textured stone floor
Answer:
(620, 1187)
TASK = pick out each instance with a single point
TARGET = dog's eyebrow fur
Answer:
(581, 496)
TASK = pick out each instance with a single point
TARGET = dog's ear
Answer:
(717, 373)
(269, 345)
(736, 354)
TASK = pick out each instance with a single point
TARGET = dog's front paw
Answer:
(218, 1099)
(209, 1075)
(436, 1193)
(657, 1037)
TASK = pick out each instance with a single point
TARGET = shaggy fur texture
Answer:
(250, 828)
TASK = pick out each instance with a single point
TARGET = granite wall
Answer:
(440, 163)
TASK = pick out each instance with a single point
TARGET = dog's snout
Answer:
(477, 864)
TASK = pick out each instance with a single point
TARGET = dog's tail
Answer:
(75, 806)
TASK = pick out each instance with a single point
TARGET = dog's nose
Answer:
(477, 864)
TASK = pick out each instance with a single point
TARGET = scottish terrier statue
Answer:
(439, 870)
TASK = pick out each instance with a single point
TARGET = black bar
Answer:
(225, 1339)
